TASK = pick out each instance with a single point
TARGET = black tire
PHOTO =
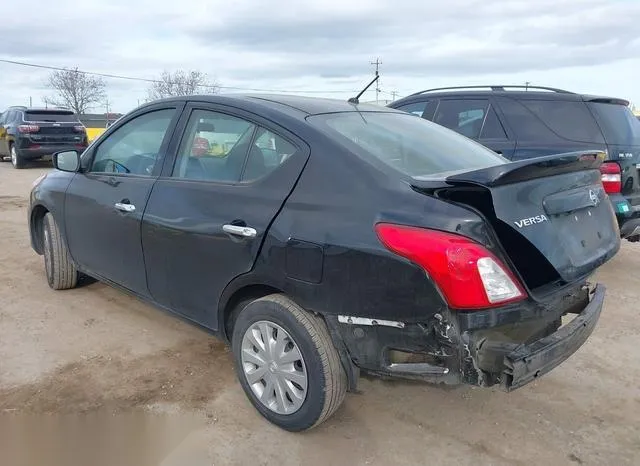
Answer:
(327, 380)
(17, 161)
(59, 268)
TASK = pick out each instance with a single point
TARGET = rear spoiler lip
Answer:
(607, 100)
(514, 172)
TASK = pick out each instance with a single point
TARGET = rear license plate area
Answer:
(583, 233)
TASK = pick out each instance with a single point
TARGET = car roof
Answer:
(39, 109)
(530, 92)
(302, 105)
(49, 109)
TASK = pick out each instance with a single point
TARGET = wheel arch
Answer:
(233, 296)
(36, 225)
(243, 289)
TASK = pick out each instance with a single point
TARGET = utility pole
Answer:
(377, 63)
(526, 85)
(106, 115)
(394, 94)
(30, 102)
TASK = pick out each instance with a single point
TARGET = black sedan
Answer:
(323, 237)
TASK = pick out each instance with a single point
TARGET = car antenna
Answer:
(355, 100)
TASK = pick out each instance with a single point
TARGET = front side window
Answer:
(413, 146)
(224, 148)
(134, 147)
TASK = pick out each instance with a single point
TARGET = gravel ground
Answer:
(96, 350)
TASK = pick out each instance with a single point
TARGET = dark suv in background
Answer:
(28, 133)
(521, 122)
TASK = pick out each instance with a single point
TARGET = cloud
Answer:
(328, 45)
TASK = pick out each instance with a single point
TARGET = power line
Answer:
(149, 80)
(393, 94)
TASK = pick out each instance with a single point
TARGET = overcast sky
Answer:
(326, 46)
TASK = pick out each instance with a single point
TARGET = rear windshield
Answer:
(405, 142)
(618, 124)
(61, 117)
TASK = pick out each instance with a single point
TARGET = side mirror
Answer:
(66, 161)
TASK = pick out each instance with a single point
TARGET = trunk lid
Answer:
(551, 214)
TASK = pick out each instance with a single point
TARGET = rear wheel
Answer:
(287, 364)
(61, 272)
(16, 160)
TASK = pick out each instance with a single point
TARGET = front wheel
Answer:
(287, 364)
(60, 269)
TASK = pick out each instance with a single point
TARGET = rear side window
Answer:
(492, 128)
(224, 148)
(463, 116)
(569, 120)
(52, 116)
(413, 146)
(617, 122)
(473, 118)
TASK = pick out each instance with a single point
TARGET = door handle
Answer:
(245, 232)
(125, 207)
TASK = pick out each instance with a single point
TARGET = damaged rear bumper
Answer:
(523, 363)
(508, 347)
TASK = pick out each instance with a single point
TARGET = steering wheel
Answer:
(117, 167)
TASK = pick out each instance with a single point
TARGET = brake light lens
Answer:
(611, 177)
(28, 128)
(468, 275)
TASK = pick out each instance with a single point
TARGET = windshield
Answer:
(408, 143)
(618, 124)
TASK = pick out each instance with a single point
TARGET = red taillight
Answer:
(469, 276)
(28, 128)
(611, 177)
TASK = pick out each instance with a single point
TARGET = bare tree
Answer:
(181, 83)
(75, 89)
